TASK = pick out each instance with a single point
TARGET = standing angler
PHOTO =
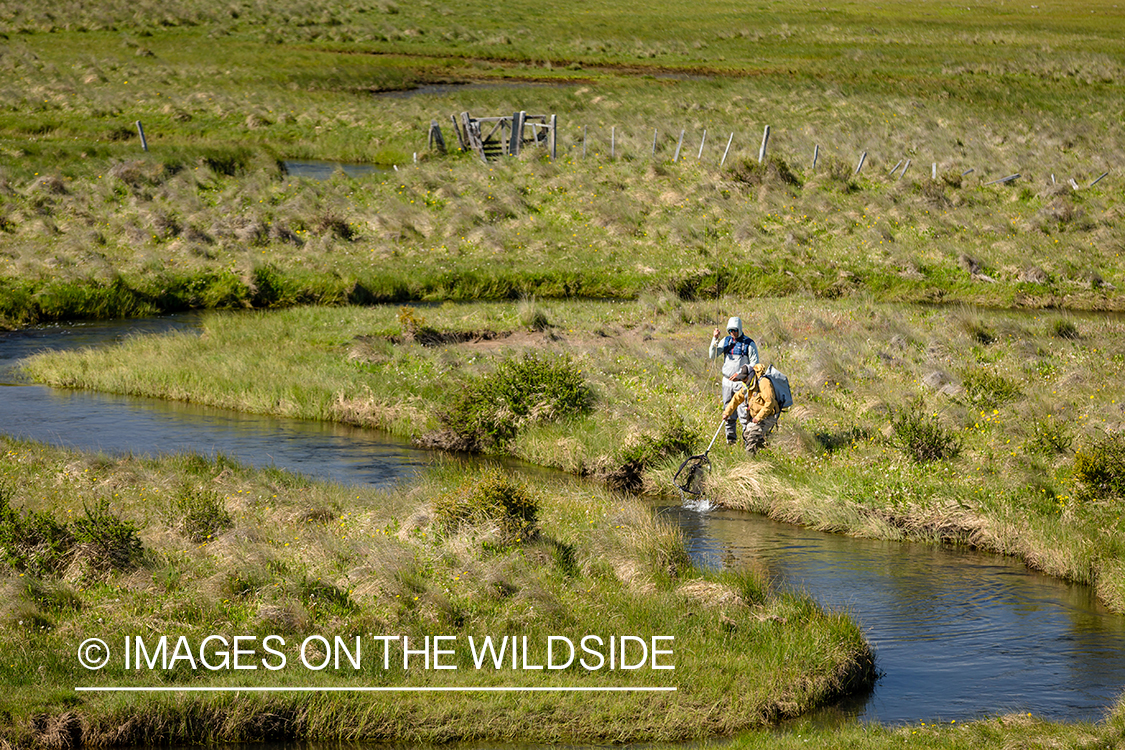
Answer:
(738, 351)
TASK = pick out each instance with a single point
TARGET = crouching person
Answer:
(757, 397)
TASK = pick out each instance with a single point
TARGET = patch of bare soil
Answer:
(445, 440)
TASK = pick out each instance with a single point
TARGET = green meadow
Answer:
(191, 549)
(951, 337)
(94, 226)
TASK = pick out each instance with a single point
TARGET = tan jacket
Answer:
(761, 402)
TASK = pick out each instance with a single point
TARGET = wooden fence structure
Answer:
(493, 137)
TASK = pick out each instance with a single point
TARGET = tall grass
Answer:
(93, 226)
(303, 559)
(907, 422)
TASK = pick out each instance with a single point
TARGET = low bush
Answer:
(987, 390)
(773, 170)
(35, 543)
(921, 437)
(492, 497)
(106, 541)
(491, 410)
(674, 438)
(1049, 437)
(831, 441)
(30, 541)
(200, 514)
(1099, 468)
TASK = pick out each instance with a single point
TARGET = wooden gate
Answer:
(492, 137)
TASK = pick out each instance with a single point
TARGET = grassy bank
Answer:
(142, 236)
(1014, 730)
(188, 547)
(994, 429)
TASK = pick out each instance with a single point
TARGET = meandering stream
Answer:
(957, 634)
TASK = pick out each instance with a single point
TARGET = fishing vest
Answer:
(736, 353)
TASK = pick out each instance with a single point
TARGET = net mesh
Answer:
(689, 479)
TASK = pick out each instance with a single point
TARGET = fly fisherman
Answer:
(755, 401)
(739, 351)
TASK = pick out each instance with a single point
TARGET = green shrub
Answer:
(32, 542)
(201, 514)
(987, 390)
(492, 497)
(229, 162)
(107, 542)
(1099, 468)
(491, 410)
(675, 438)
(832, 441)
(921, 437)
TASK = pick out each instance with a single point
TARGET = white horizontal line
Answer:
(363, 689)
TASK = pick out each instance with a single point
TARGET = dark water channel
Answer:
(957, 634)
(323, 170)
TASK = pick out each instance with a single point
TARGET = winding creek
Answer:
(958, 634)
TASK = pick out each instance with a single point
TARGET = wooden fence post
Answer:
(472, 135)
(765, 144)
(895, 168)
(583, 141)
(815, 155)
(516, 139)
(727, 151)
(702, 141)
(141, 133)
(1009, 178)
(1095, 182)
(613, 142)
(654, 143)
(552, 137)
(905, 167)
(862, 158)
(676, 158)
(457, 130)
(436, 139)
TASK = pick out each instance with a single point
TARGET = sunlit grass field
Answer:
(93, 226)
(190, 548)
(826, 263)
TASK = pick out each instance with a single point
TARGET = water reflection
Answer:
(323, 170)
(139, 426)
(963, 634)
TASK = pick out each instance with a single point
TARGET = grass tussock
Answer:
(468, 552)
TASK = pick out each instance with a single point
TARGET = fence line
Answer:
(901, 166)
